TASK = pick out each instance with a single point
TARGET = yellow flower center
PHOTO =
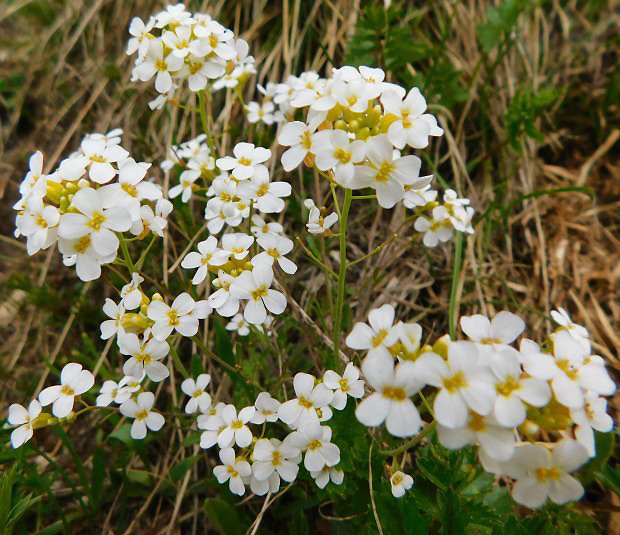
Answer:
(397, 480)
(476, 423)
(67, 391)
(384, 171)
(259, 292)
(456, 381)
(315, 444)
(97, 220)
(304, 402)
(41, 222)
(237, 424)
(394, 393)
(244, 161)
(130, 189)
(342, 155)
(305, 140)
(277, 458)
(173, 317)
(378, 339)
(262, 189)
(508, 387)
(344, 385)
(161, 65)
(82, 244)
(141, 415)
(544, 474)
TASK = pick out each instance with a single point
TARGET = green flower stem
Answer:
(374, 251)
(342, 274)
(202, 108)
(415, 440)
(125, 249)
(456, 274)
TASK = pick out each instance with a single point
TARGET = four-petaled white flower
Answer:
(144, 417)
(461, 381)
(266, 409)
(349, 384)
(243, 164)
(74, 381)
(400, 483)
(24, 418)
(379, 336)
(543, 474)
(182, 316)
(274, 248)
(195, 389)
(271, 455)
(254, 286)
(315, 441)
(317, 224)
(303, 409)
(232, 469)
(145, 357)
(391, 403)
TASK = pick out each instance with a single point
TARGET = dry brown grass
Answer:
(560, 250)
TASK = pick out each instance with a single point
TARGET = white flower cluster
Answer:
(353, 128)
(263, 463)
(488, 393)
(95, 195)
(176, 45)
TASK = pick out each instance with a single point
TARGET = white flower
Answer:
(400, 483)
(578, 332)
(301, 139)
(260, 227)
(130, 189)
(303, 409)
(274, 248)
(577, 372)
(140, 32)
(111, 391)
(347, 384)
(379, 336)
(462, 383)
(74, 381)
(327, 474)
(208, 254)
(260, 112)
(436, 229)
(178, 40)
(543, 474)
(94, 221)
(232, 470)
(498, 442)
(110, 327)
(315, 441)
(155, 63)
(266, 409)
(266, 195)
(221, 300)
(131, 296)
(391, 401)
(143, 416)
(236, 245)
(592, 417)
(232, 427)
(195, 389)
(501, 331)
(238, 324)
(386, 175)
(100, 155)
(145, 357)
(185, 186)
(513, 390)
(24, 418)
(182, 316)
(413, 126)
(317, 224)
(255, 287)
(271, 455)
(38, 223)
(247, 157)
(337, 152)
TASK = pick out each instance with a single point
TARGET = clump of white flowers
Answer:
(88, 203)
(531, 411)
(176, 45)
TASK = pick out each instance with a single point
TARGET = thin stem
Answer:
(319, 262)
(125, 249)
(456, 274)
(202, 107)
(364, 197)
(377, 249)
(415, 440)
(146, 251)
(342, 273)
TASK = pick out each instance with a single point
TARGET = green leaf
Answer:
(223, 516)
(179, 470)
(97, 476)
